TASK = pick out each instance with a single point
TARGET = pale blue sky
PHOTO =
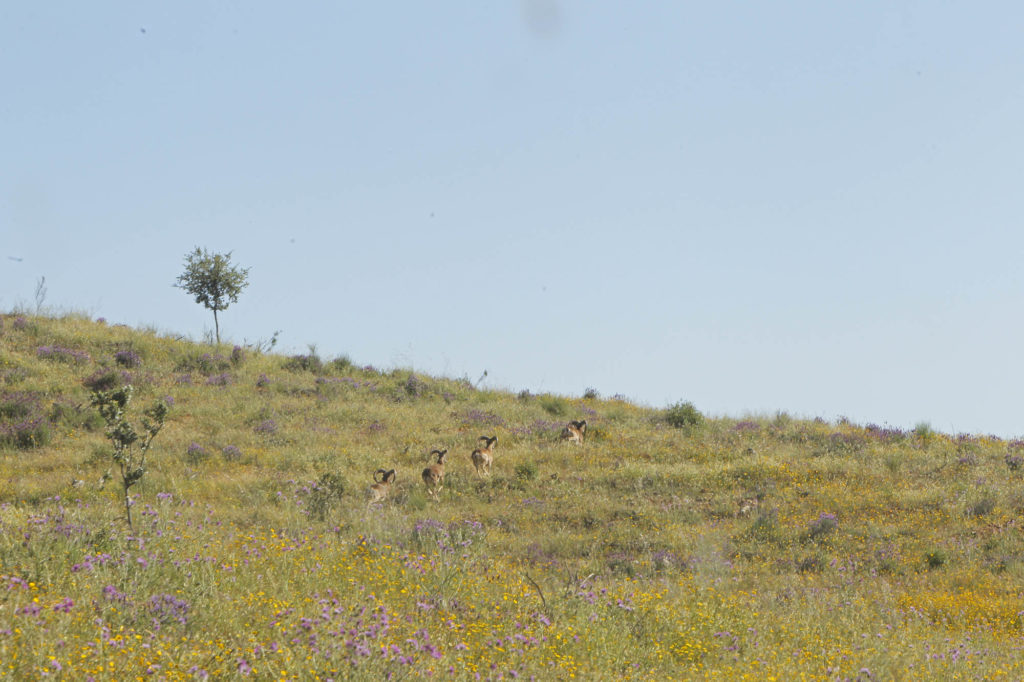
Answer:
(804, 206)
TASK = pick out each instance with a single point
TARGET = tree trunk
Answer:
(216, 325)
(128, 509)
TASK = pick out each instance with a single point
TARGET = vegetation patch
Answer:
(246, 541)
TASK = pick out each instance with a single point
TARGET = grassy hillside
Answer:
(659, 549)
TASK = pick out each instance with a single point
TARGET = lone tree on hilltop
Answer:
(212, 279)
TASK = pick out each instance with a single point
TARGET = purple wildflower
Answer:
(196, 452)
(61, 353)
(111, 593)
(166, 608)
(824, 524)
(222, 379)
(480, 417)
(64, 606)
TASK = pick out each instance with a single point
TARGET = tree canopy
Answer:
(213, 281)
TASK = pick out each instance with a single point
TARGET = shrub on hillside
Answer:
(222, 379)
(765, 526)
(936, 558)
(304, 363)
(74, 417)
(924, 431)
(17, 405)
(341, 364)
(266, 427)
(783, 420)
(325, 494)
(555, 406)
(886, 434)
(195, 453)
(13, 375)
(527, 471)
(25, 434)
(23, 424)
(683, 415)
(823, 525)
(982, 507)
(414, 386)
(204, 363)
(127, 358)
(62, 354)
(130, 445)
(106, 380)
(845, 443)
(477, 417)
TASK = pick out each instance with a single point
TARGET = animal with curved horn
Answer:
(381, 488)
(433, 475)
(484, 457)
(574, 431)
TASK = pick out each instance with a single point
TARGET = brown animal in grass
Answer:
(484, 457)
(433, 475)
(381, 488)
(574, 431)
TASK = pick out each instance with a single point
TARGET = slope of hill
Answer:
(732, 549)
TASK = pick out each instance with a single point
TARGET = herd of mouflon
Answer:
(482, 458)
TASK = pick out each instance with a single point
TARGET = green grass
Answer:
(768, 547)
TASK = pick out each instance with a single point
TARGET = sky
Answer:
(804, 207)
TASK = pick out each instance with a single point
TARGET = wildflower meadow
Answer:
(669, 545)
